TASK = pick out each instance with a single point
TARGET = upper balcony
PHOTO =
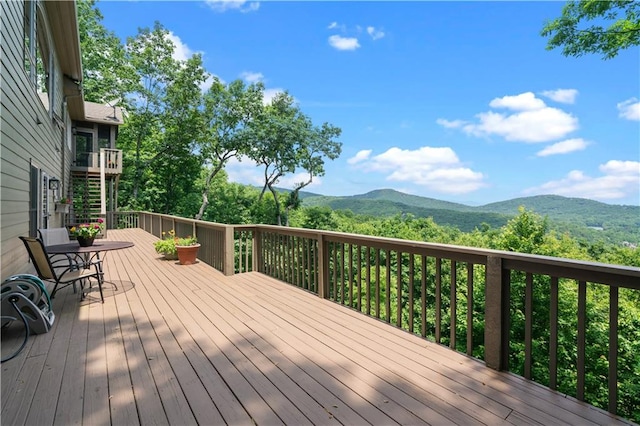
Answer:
(92, 162)
(294, 328)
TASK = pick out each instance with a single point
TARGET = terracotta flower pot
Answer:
(187, 254)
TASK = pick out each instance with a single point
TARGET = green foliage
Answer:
(106, 72)
(167, 245)
(574, 216)
(572, 31)
(284, 140)
(228, 110)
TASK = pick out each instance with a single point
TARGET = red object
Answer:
(187, 254)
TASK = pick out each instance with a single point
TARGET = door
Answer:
(38, 200)
(84, 149)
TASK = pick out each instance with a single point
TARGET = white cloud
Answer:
(564, 96)
(343, 43)
(244, 171)
(206, 85)
(269, 94)
(532, 121)
(619, 179)
(248, 172)
(252, 77)
(333, 25)
(522, 102)
(450, 124)
(374, 33)
(240, 5)
(360, 156)
(564, 147)
(181, 51)
(542, 125)
(630, 109)
(435, 168)
(290, 181)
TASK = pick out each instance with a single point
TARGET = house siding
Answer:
(23, 140)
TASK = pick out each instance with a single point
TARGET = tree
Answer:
(106, 73)
(576, 38)
(177, 160)
(227, 112)
(284, 140)
(150, 54)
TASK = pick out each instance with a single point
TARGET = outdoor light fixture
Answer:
(54, 184)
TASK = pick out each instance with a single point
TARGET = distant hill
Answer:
(582, 218)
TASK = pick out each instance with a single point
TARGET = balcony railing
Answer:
(500, 307)
(90, 161)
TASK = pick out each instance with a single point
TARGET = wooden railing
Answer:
(91, 161)
(500, 307)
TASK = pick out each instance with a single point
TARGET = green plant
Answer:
(87, 230)
(187, 241)
(167, 245)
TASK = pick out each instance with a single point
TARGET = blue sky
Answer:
(457, 101)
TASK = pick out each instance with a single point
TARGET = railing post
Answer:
(257, 250)
(496, 315)
(229, 251)
(323, 267)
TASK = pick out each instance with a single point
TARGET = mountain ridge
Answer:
(568, 214)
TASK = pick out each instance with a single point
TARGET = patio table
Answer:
(91, 252)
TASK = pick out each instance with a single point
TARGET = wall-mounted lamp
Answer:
(54, 184)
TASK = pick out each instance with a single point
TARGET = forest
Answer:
(177, 140)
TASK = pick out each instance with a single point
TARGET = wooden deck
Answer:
(186, 345)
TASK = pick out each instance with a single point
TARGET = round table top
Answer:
(98, 245)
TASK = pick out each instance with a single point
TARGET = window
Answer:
(104, 136)
(38, 57)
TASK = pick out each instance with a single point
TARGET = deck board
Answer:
(187, 345)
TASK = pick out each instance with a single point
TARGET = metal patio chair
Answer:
(61, 277)
(54, 236)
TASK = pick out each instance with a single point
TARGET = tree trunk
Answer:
(207, 188)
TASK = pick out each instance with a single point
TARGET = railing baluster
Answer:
(399, 289)
(528, 324)
(582, 327)
(351, 275)
(388, 287)
(613, 350)
(343, 283)
(368, 278)
(453, 305)
(377, 282)
(438, 335)
(469, 308)
(423, 297)
(553, 334)
(359, 277)
(334, 249)
(411, 278)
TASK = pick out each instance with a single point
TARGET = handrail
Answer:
(498, 306)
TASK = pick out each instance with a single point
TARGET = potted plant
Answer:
(87, 232)
(62, 205)
(187, 249)
(167, 245)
